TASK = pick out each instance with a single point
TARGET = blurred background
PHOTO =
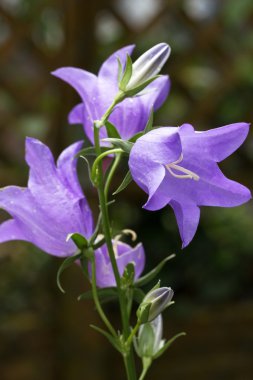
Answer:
(45, 334)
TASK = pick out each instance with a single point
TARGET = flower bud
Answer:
(149, 340)
(148, 65)
(154, 303)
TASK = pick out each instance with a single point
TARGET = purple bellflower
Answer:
(52, 206)
(98, 92)
(125, 254)
(178, 167)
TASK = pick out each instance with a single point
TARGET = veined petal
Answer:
(156, 92)
(110, 68)
(215, 144)
(187, 216)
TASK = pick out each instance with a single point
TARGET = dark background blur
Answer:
(43, 333)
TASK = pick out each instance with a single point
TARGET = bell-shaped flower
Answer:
(154, 303)
(51, 206)
(124, 254)
(178, 167)
(149, 340)
(98, 92)
(148, 65)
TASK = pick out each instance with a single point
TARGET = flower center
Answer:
(186, 173)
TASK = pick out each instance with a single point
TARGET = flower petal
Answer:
(215, 144)
(10, 230)
(156, 92)
(135, 255)
(76, 115)
(187, 216)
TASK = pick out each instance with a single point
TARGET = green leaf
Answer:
(79, 240)
(120, 69)
(153, 273)
(127, 74)
(126, 181)
(128, 276)
(168, 344)
(126, 146)
(112, 130)
(111, 339)
(136, 137)
(66, 263)
(149, 124)
(141, 87)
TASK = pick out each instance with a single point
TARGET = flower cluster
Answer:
(175, 166)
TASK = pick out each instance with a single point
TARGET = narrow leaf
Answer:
(141, 87)
(127, 74)
(128, 275)
(79, 240)
(149, 124)
(88, 166)
(168, 344)
(126, 181)
(112, 130)
(154, 272)
(66, 263)
(105, 292)
(90, 151)
(120, 69)
(111, 339)
(136, 137)
(126, 146)
(138, 295)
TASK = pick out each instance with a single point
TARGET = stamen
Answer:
(187, 173)
(116, 240)
(132, 233)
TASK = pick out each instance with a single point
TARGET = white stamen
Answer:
(187, 173)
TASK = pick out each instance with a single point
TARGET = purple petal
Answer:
(10, 230)
(76, 115)
(125, 254)
(215, 144)
(187, 216)
(110, 68)
(36, 224)
(156, 92)
(66, 167)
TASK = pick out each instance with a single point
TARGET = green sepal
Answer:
(126, 181)
(127, 278)
(111, 339)
(66, 263)
(136, 90)
(149, 124)
(112, 130)
(136, 137)
(80, 241)
(99, 243)
(126, 146)
(168, 344)
(153, 273)
(143, 313)
(120, 69)
(127, 74)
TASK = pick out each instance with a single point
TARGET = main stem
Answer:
(128, 356)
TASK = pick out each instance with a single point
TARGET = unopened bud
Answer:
(148, 65)
(149, 340)
(154, 303)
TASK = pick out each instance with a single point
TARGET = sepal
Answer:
(65, 264)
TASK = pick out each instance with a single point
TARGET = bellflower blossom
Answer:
(178, 166)
(52, 206)
(98, 92)
(125, 254)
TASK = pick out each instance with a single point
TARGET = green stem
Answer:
(128, 357)
(133, 332)
(96, 299)
(94, 170)
(146, 364)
